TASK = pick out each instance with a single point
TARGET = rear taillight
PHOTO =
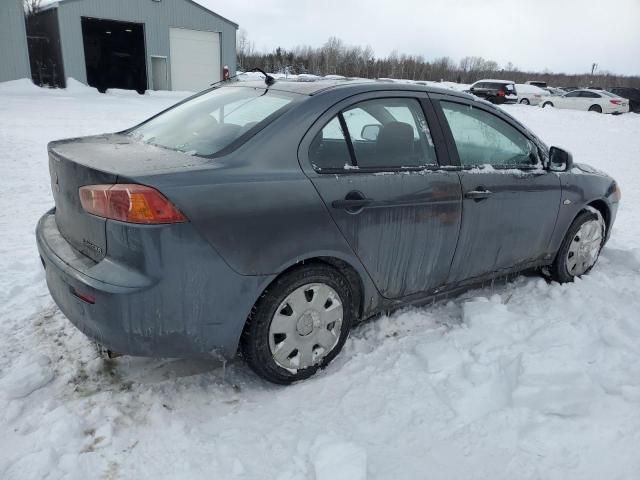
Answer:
(616, 101)
(130, 203)
(501, 93)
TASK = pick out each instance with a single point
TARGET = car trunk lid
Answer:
(97, 161)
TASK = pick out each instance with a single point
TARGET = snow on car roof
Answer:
(495, 81)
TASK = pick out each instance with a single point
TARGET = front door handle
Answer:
(479, 194)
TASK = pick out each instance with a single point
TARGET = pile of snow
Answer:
(519, 380)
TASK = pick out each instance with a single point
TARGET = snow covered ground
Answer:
(524, 381)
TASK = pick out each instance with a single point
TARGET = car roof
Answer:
(491, 80)
(355, 86)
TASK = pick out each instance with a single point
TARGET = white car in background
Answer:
(599, 101)
(530, 94)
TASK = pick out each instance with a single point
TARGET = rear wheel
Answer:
(299, 324)
(580, 248)
(525, 101)
(547, 104)
(595, 108)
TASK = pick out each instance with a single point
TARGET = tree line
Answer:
(337, 58)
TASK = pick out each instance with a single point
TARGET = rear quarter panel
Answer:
(256, 207)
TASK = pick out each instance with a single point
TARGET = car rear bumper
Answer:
(191, 304)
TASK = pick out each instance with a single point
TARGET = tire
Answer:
(547, 104)
(595, 108)
(260, 342)
(525, 101)
(561, 270)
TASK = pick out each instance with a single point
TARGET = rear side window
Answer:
(210, 122)
(381, 134)
(329, 149)
(485, 139)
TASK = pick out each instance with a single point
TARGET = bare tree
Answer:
(334, 57)
(31, 7)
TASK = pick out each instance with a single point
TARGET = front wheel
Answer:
(299, 324)
(580, 248)
(525, 101)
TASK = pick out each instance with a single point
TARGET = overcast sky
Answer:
(560, 35)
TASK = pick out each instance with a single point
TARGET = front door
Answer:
(510, 202)
(376, 167)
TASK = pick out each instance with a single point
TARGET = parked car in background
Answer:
(495, 91)
(555, 91)
(631, 94)
(536, 83)
(530, 94)
(273, 217)
(599, 101)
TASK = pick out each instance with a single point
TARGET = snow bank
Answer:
(23, 86)
(26, 377)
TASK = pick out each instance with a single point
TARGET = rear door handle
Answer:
(352, 204)
(479, 194)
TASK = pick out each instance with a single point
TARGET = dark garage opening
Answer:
(115, 54)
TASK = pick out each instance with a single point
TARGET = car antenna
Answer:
(268, 79)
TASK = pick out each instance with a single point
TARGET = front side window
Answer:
(389, 133)
(485, 139)
(210, 122)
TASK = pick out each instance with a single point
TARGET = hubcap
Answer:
(306, 326)
(585, 247)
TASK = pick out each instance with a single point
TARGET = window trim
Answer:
(453, 147)
(428, 110)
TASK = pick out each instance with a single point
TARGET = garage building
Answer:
(131, 44)
(14, 61)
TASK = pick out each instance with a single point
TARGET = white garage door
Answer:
(195, 59)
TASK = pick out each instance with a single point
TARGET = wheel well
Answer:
(603, 208)
(351, 275)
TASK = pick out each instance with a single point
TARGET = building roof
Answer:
(49, 4)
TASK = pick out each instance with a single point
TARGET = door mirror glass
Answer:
(560, 160)
(370, 132)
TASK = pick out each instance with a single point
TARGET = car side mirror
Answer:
(560, 160)
(370, 132)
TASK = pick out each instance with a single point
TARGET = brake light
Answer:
(129, 203)
(615, 101)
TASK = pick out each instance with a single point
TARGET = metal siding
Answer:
(14, 54)
(157, 18)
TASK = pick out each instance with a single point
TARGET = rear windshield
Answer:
(210, 122)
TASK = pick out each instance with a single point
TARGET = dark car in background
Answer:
(631, 94)
(272, 218)
(495, 91)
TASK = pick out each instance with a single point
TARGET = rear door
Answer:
(510, 203)
(374, 160)
(572, 100)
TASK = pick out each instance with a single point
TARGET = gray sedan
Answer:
(271, 217)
